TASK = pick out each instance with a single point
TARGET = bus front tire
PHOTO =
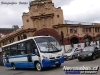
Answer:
(38, 66)
(13, 67)
(58, 65)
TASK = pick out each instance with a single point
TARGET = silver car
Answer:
(72, 53)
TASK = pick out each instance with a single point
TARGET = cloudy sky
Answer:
(74, 10)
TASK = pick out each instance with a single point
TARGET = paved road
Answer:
(50, 71)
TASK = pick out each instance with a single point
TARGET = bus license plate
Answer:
(56, 62)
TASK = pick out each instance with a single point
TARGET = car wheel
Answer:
(65, 59)
(73, 57)
(79, 59)
(94, 57)
(38, 66)
(58, 65)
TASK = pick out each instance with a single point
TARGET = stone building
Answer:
(44, 19)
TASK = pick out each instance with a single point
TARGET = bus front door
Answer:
(32, 53)
(29, 58)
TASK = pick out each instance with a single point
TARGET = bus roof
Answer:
(24, 40)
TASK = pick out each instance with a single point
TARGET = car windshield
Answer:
(70, 50)
(48, 44)
(88, 49)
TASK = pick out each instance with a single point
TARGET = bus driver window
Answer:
(30, 46)
(35, 50)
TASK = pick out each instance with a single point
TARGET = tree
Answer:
(62, 37)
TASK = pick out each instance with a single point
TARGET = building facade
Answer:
(44, 19)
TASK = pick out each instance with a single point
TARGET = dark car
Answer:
(89, 53)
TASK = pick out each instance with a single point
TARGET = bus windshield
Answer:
(48, 44)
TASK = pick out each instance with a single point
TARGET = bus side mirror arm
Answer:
(37, 53)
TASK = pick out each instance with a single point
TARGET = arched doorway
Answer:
(50, 32)
(74, 40)
(87, 39)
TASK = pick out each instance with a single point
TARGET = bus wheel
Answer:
(58, 65)
(13, 67)
(38, 66)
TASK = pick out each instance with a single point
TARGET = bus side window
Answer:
(34, 48)
(13, 50)
(8, 51)
(28, 48)
(21, 48)
(5, 51)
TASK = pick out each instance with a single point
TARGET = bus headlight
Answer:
(89, 54)
(44, 57)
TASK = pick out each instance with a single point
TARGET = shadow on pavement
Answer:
(33, 69)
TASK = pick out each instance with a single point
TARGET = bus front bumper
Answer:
(47, 62)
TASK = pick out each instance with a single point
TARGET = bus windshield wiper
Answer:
(48, 47)
(54, 46)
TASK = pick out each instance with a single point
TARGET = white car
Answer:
(72, 53)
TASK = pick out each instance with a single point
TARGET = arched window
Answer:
(13, 39)
(18, 38)
(21, 37)
(24, 36)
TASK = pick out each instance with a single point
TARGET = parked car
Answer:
(71, 53)
(89, 53)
